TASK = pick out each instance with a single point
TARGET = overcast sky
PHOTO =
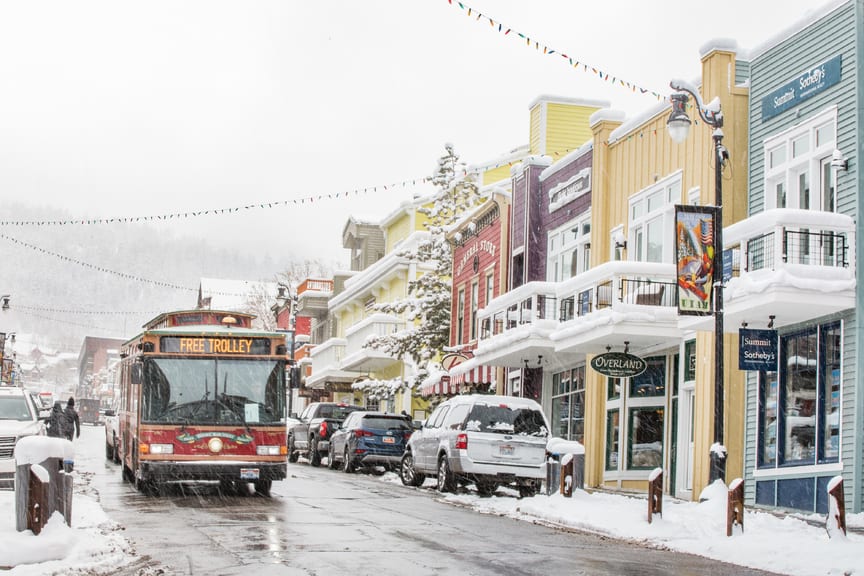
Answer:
(141, 108)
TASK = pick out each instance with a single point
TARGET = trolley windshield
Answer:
(213, 391)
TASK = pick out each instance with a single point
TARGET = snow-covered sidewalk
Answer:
(95, 545)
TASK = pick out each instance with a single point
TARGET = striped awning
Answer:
(477, 375)
(448, 385)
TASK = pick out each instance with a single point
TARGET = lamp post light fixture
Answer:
(678, 126)
(5, 300)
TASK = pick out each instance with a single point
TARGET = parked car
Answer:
(19, 417)
(367, 439)
(112, 449)
(311, 436)
(88, 410)
(491, 441)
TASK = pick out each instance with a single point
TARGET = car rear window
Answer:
(384, 423)
(506, 420)
(336, 412)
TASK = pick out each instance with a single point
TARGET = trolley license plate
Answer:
(505, 450)
(249, 473)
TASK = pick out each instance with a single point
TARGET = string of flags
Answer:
(68, 322)
(83, 312)
(217, 211)
(548, 51)
(123, 275)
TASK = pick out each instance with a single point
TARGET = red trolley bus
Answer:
(202, 397)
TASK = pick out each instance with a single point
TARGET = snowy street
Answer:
(327, 522)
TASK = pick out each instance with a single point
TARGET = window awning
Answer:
(453, 383)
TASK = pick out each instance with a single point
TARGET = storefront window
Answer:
(645, 440)
(568, 404)
(799, 412)
(612, 436)
(768, 419)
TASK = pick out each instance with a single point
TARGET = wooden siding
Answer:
(495, 175)
(567, 128)
(535, 144)
(833, 35)
(398, 231)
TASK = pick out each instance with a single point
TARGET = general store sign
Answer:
(808, 84)
(757, 350)
(618, 365)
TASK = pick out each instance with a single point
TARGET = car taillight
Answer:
(462, 442)
(322, 430)
(358, 433)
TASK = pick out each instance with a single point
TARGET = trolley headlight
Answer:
(268, 450)
(161, 448)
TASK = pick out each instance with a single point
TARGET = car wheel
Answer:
(347, 464)
(331, 457)
(446, 480)
(528, 490)
(485, 487)
(115, 451)
(262, 487)
(314, 455)
(408, 473)
(109, 451)
(292, 452)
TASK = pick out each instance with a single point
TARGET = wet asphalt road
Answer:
(321, 522)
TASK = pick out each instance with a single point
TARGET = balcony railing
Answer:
(528, 304)
(375, 325)
(328, 355)
(778, 238)
(617, 283)
(313, 285)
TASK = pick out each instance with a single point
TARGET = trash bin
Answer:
(68, 465)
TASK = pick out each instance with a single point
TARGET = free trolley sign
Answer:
(618, 364)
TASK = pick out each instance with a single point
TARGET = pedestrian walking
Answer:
(73, 423)
(56, 422)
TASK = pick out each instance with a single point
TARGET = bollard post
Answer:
(655, 493)
(836, 506)
(567, 475)
(37, 499)
(735, 506)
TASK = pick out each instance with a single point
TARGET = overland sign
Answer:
(618, 364)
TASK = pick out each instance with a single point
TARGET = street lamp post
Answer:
(679, 126)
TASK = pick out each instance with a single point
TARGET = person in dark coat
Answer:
(73, 424)
(56, 422)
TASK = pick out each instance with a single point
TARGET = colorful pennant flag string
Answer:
(217, 211)
(106, 270)
(548, 51)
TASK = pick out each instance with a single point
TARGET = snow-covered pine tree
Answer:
(427, 305)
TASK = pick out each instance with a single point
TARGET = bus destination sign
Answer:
(214, 345)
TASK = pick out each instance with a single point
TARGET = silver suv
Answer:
(19, 417)
(491, 441)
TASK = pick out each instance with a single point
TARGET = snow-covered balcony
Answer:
(617, 304)
(360, 359)
(326, 364)
(795, 265)
(516, 326)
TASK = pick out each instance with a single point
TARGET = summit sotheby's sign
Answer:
(757, 350)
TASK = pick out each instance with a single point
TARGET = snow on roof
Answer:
(571, 156)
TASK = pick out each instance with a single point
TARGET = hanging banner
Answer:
(694, 257)
(757, 350)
